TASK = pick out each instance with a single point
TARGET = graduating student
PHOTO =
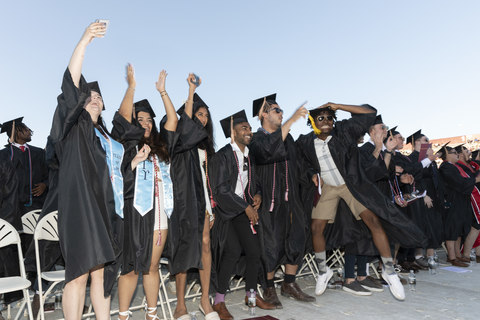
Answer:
(282, 224)
(459, 188)
(334, 155)
(190, 223)
(29, 163)
(237, 194)
(90, 185)
(471, 169)
(432, 205)
(148, 201)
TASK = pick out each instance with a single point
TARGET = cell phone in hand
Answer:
(197, 80)
(105, 23)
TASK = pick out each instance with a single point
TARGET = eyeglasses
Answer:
(277, 110)
(321, 118)
(384, 127)
(453, 152)
(401, 138)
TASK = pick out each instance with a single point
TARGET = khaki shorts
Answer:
(326, 208)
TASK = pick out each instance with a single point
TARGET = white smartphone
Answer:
(106, 23)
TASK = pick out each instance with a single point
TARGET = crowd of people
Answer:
(127, 197)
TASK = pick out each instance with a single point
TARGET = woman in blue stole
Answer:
(90, 186)
(148, 201)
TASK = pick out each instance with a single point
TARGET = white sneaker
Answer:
(322, 281)
(396, 287)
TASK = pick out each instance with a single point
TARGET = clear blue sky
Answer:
(417, 62)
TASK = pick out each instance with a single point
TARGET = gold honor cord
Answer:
(312, 122)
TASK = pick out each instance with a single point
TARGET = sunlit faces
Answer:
(243, 133)
(202, 114)
(274, 116)
(379, 128)
(399, 139)
(94, 105)
(146, 122)
(324, 122)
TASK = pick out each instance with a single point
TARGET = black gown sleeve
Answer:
(452, 177)
(351, 129)
(69, 107)
(268, 148)
(191, 133)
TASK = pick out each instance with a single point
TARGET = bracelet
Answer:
(189, 101)
(131, 88)
(163, 94)
(386, 151)
(162, 91)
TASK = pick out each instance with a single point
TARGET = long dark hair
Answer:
(209, 142)
(156, 143)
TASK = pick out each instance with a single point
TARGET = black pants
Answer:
(350, 266)
(240, 238)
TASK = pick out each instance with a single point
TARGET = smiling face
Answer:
(324, 122)
(202, 114)
(243, 133)
(94, 105)
(146, 122)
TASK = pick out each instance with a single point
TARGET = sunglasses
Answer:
(384, 127)
(277, 110)
(321, 118)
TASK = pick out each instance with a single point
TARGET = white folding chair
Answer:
(29, 221)
(337, 256)
(46, 229)
(9, 236)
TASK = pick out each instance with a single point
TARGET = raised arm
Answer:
(349, 108)
(126, 108)
(172, 120)
(299, 113)
(94, 30)
(191, 90)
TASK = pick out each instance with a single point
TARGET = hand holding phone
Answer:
(105, 23)
(196, 82)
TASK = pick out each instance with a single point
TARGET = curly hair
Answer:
(316, 112)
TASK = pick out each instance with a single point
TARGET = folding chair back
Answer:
(47, 227)
(10, 236)
(29, 221)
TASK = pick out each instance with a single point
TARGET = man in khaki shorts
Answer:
(333, 157)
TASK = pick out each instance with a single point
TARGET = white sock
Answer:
(321, 259)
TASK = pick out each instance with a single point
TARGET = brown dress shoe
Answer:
(458, 263)
(463, 259)
(222, 311)
(259, 302)
(293, 290)
(271, 297)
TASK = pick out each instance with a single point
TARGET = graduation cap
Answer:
(414, 137)
(393, 131)
(197, 103)
(459, 148)
(93, 86)
(378, 120)
(7, 126)
(238, 117)
(443, 150)
(144, 106)
(258, 103)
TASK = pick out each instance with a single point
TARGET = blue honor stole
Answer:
(114, 155)
(144, 197)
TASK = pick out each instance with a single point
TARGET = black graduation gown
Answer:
(185, 231)
(87, 217)
(282, 231)
(49, 251)
(346, 155)
(229, 206)
(458, 214)
(9, 207)
(431, 181)
(137, 229)
(21, 162)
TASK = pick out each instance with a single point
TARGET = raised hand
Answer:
(390, 144)
(142, 155)
(330, 105)
(191, 80)
(160, 84)
(94, 30)
(301, 112)
(132, 83)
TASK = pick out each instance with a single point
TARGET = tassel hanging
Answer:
(312, 122)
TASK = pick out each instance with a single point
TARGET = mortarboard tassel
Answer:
(312, 122)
